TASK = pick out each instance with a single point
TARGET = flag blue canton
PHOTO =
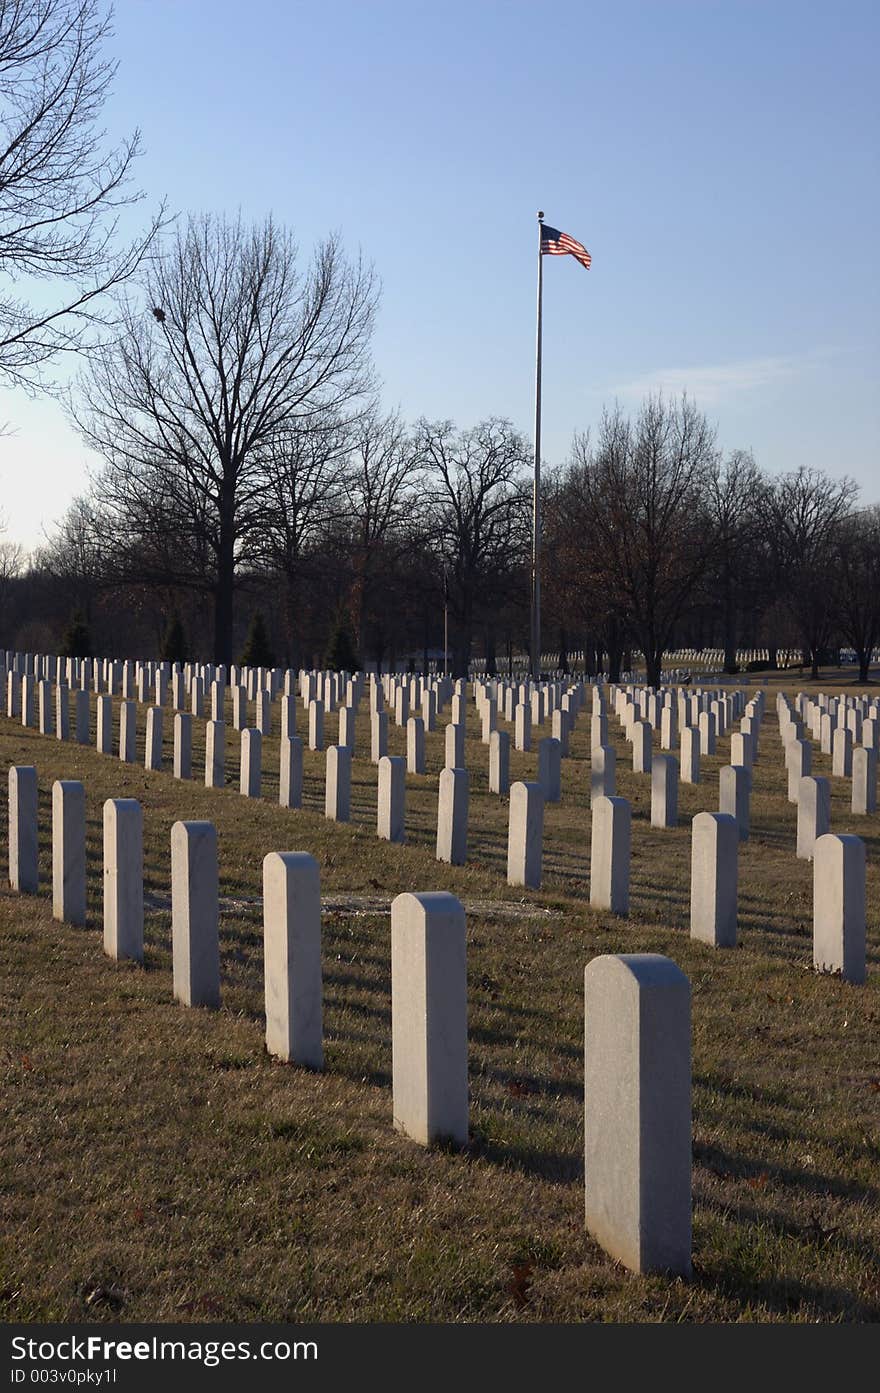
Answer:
(556, 243)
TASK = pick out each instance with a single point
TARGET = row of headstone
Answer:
(743, 743)
(564, 708)
(637, 1040)
(840, 723)
(610, 857)
(198, 686)
(453, 800)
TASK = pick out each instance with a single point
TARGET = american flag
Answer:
(556, 243)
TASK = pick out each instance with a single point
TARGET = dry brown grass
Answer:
(158, 1165)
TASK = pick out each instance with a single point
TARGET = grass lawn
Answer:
(158, 1165)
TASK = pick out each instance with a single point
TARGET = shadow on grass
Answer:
(344, 1006)
(761, 1094)
(728, 1165)
(357, 1071)
(785, 1296)
(519, 1084)
(556, 1167)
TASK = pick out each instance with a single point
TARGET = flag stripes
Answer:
(556, 243)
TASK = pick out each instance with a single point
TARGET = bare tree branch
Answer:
(61, 189)
(228, 357)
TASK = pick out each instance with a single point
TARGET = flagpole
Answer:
(536, 494)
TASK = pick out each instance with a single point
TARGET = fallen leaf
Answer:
(207, 1304)
(520, 1281)
(517, 1088)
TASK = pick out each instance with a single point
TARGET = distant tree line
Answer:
(659, 542)
(358, 544)
(253, 497)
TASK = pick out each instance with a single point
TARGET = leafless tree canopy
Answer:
(476, 515)
(232, 363)
(381, 501)
(658, 540)
(737, 501)
(857, 589)
(12, 560)
(806, 510)
(61, 188)
(642, 493)
(350, 526)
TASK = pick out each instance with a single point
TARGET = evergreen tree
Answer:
(174, 643)
(77, 641)
(341, 655)
(257, 650)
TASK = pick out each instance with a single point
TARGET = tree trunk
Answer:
(223, 619)
(729, 633)
(291, 635)
(491, 664)
(462, 626)
(653, 666)
(223, 592)
(615, 660)
(461, 652)
(563, 649)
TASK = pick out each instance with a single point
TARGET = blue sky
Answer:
(719, 160)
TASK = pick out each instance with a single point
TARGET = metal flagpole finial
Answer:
(540, 216)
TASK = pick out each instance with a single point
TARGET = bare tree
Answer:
(736, 499)
(805, 510)
(12, 559)
(580, 594)
(857, 562)
(644, 492)
(476, 516)
(229, 350)
(304, 472)
(379, 495)
(61, 190)
(77, 556)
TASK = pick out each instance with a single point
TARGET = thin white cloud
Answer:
(709, 386)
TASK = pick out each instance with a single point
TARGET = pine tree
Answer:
(77, 641)
(257, 650)
(174, 643)
(341, 655)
